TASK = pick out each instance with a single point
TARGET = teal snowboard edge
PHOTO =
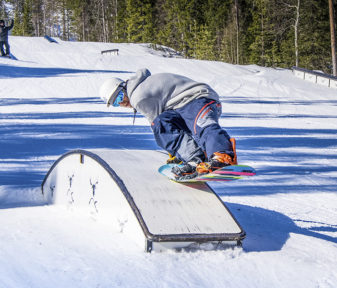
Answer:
(228, 173)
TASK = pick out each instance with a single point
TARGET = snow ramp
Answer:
(124, 188)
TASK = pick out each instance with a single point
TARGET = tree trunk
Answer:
(237, 30)
(116, 21)
(333, 39)
(297, 20)
(64, 20)
(262, 40)
(103, 22)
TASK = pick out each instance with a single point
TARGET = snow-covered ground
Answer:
(285, 127)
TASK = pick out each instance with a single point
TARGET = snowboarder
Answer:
(184, 118)
(4, 37)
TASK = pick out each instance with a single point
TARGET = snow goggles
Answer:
(119, 99)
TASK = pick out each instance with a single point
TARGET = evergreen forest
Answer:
(274, 33)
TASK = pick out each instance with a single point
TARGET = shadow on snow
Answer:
(8, 71)
(269, 230)
(246, 100)
(43, 101)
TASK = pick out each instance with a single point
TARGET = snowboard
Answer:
(228, 173)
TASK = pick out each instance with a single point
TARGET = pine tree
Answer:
(217, 19)
(28, 29)
(18, 17)
(314, 39)
(37, 17)
(258, 30)
(139, 19)
(205, 43)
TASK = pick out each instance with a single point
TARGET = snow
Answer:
(285, 127)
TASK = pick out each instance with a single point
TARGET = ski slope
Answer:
(285, 127)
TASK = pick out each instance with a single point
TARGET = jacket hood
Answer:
(134, 81)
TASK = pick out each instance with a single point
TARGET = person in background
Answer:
(4, 37)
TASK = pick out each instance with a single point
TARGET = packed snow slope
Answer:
(285, 127)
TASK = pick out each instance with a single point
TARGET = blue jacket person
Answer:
(4, 37)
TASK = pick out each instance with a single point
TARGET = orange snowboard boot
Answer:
(218, 160)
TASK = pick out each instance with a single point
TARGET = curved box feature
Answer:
(124, 188)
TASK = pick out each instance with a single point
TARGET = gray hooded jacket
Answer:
(153, 94)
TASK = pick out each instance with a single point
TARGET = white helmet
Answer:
(110, 89)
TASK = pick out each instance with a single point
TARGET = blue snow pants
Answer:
(2, 51)
(192, 132)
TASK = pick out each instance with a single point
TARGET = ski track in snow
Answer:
(285, 127)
